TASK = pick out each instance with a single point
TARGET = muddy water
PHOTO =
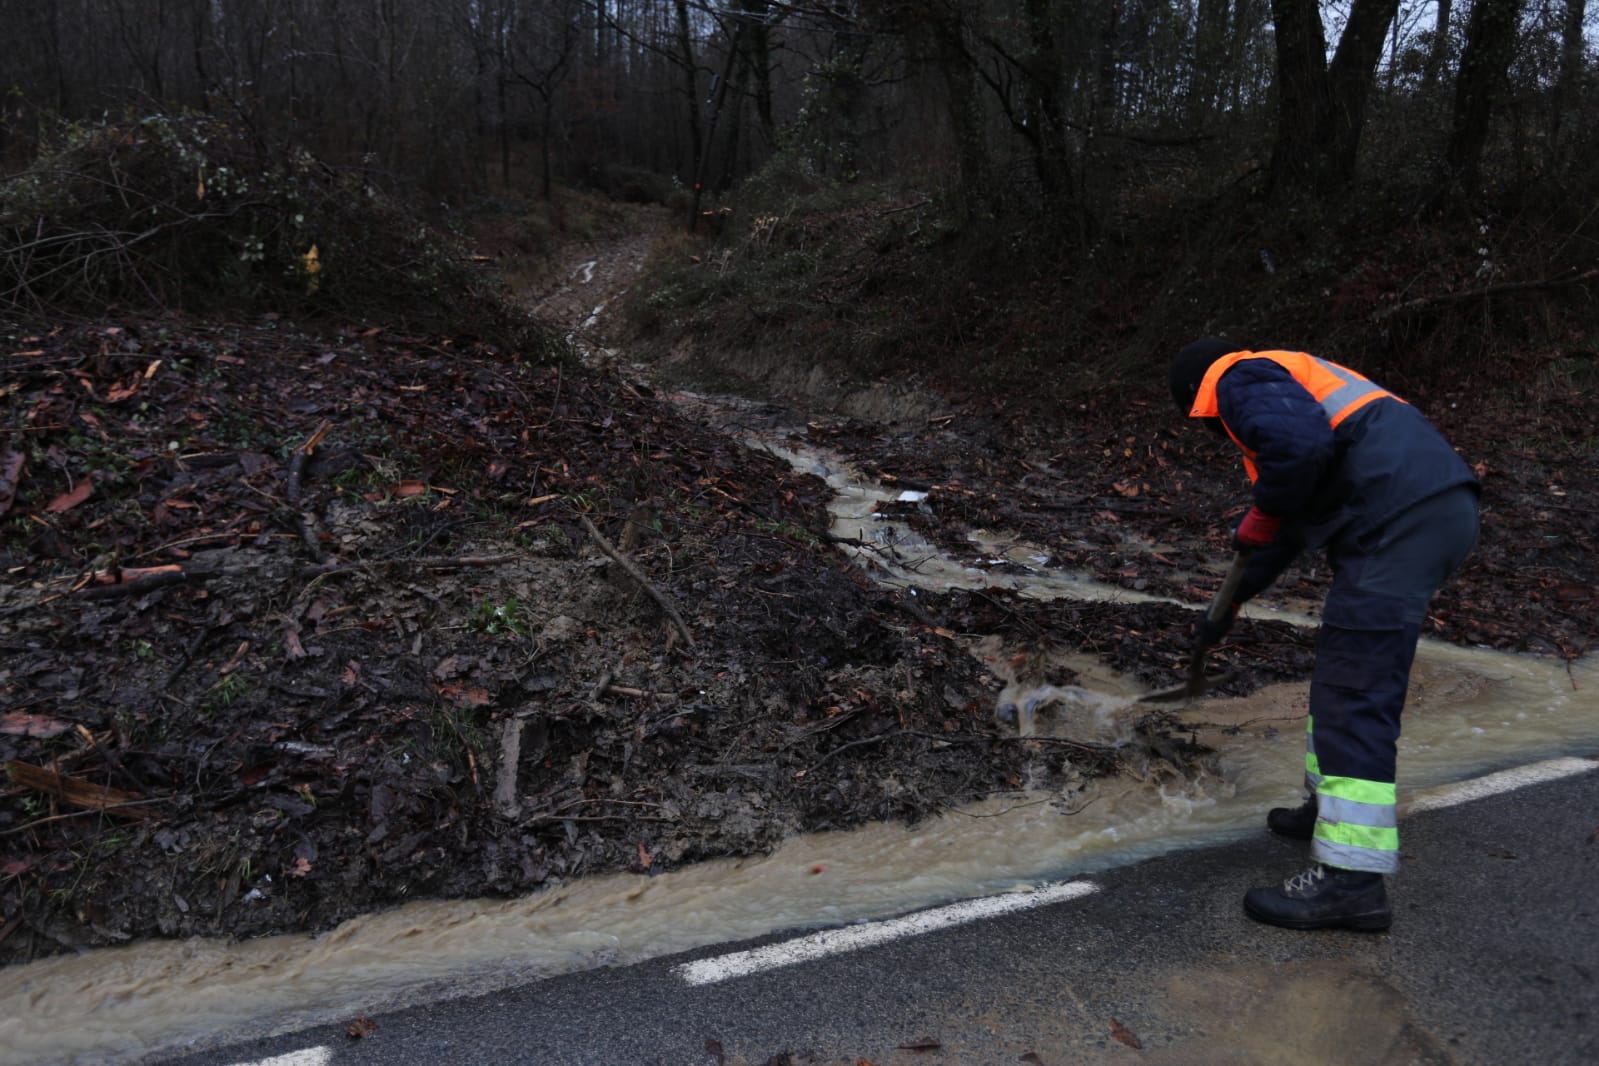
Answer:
(1470, 711)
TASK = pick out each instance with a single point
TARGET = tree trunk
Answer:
(1046, 120)
(1353, 70)
(963, 106)
(1321, 110)
(1302, 93)
(685, 49)
(710, 132)
(1108, 80)
(758, 55)
(1568, 85)
(1210, 51)
(1440, 46)
(1246, 21)
(1490, 46)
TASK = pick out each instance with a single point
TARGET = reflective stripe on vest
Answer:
(1340, 391)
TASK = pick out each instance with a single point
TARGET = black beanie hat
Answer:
(1189, 367)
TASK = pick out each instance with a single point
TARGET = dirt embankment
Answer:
(297, 626)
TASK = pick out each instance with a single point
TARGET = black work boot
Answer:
(1296, 823)
(1323, 897)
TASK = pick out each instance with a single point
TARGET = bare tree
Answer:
(1490, 45)
(1569, 83)
(1321, 106)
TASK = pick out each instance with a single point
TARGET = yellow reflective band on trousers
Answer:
(1356, 825)
(1353, 788)
(1312, 766)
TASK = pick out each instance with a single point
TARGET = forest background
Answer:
(1083, 184)
(265, 278)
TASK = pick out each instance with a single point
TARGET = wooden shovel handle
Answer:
(1229, 588)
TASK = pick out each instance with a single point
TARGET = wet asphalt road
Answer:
(1493, 958)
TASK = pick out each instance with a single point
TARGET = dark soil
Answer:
(253, 683)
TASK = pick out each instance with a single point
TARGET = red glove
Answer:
(1257, 530)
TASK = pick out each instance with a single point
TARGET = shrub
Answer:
(190, 212)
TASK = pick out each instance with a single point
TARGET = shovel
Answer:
(1197, 682)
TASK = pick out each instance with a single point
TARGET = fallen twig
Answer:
(72, 790)
(429, 562)
(146, 580)
(112, 760)
(120, 808)
(1487, 290)
(637, 575)
(637, 693)
(308, 533)
(132, 581)
(505, 801)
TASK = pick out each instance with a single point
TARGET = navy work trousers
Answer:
(1382, 584)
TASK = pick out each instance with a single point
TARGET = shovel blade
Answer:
(1191, 689)
(1175, 694)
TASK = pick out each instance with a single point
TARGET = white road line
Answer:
(311, 1056)
(836, 941)
(1493, 784)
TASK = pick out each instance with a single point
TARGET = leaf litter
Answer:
(336, 628)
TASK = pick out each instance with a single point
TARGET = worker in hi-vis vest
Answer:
(1339, 463)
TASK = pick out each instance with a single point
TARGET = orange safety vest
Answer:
(1340, 391)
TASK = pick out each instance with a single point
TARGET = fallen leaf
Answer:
(1032, 1056)
(32, 725)
(466, 695)
(1120, 1032)
(117, 393)
(409, 487)
(68, 500)
(361, 1027)
(300, 868)
(644, 859)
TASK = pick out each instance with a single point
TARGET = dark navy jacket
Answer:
(1329, 485)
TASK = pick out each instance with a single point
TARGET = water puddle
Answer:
(1469, 712)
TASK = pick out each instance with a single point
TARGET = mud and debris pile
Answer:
(296, 626)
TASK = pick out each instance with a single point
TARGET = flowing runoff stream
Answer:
(1470, 711)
